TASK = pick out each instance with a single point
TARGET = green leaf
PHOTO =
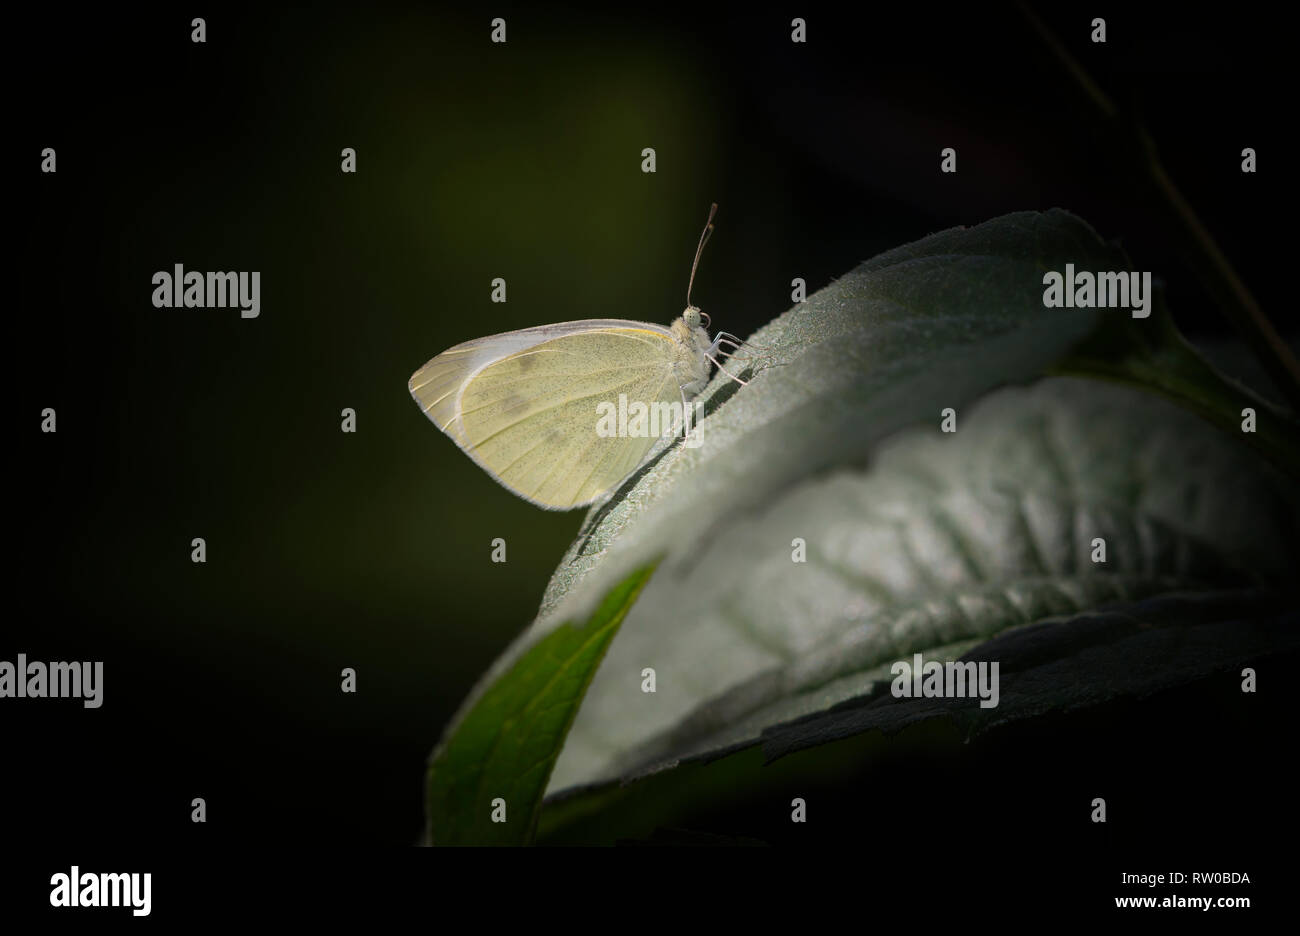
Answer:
(1126, 650)
(1131, 649)
(916, 540)
(942, 542)
(920, 328)
(506, 744)
(1153, 355)
(926, 326)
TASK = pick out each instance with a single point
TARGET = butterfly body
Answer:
(696, 348)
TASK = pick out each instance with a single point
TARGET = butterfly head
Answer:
(694, 318)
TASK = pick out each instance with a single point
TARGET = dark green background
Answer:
(475, 160)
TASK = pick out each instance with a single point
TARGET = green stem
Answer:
(1156, 357)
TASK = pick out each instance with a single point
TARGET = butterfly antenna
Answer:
(704, 236)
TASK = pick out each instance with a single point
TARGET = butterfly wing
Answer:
(524, 404)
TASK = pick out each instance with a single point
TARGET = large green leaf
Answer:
(498, 760)
(926, 326)
(942, 542)
(915, 540)
(1130, 649)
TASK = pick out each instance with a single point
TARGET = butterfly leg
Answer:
(719, 366)
(736, 341)
(686, 423)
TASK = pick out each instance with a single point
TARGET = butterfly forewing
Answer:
(525, 404)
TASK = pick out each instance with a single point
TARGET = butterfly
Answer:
(526, 405)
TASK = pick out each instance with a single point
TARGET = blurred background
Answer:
(371, 550)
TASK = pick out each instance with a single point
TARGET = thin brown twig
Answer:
(1237, 301)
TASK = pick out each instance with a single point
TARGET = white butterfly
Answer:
(524, 404)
